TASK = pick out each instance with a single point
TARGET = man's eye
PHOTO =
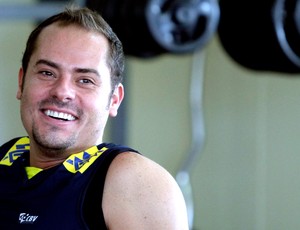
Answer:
(86, 81)
(46, 73)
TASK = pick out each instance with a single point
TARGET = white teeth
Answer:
(58, 115)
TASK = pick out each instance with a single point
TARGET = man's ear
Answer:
(116, 100)
(20, 83)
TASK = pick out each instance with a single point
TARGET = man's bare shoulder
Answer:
(140, 194)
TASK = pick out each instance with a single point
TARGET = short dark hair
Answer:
(91, 21)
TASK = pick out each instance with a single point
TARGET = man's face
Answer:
(66, 97)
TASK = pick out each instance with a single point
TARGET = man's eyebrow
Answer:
(87, 70)
(47, 62)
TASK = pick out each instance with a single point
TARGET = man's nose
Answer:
(63, 89)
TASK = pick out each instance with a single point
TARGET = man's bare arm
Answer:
(140, 194)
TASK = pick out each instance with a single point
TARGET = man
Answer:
(62, 176)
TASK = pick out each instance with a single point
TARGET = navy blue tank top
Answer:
(65, 197)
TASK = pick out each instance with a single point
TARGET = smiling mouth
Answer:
(59, 115)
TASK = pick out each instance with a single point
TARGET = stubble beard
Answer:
(51, 145)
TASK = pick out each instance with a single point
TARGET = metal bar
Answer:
(198, 133)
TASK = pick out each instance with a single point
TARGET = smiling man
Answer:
(71, 79)
(62, 176)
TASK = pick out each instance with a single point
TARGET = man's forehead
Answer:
(59, 37)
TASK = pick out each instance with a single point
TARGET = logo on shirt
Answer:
(21, 146)
(26, 218)
(79, 162)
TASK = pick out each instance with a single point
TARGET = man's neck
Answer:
(44, 158)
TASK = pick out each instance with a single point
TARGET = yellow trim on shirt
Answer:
(78, 162)
(32, 171)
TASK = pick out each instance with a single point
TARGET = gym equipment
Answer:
(261, 35)
(151, 27)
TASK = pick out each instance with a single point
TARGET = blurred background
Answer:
(245, 173)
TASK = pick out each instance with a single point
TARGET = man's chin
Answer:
(53, 145)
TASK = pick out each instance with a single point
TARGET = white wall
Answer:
(248, 177)
(13, 36)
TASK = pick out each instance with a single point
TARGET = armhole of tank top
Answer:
(92, 207)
